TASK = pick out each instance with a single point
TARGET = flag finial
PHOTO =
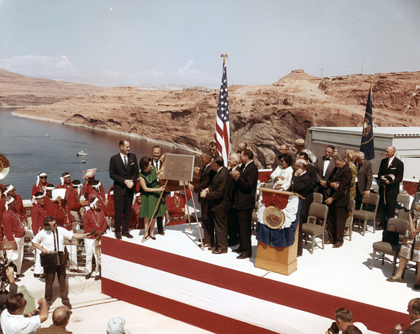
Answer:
(224, 56)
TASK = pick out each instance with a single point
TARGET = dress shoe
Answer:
(88, 276)
(20, 275)
(329, 242)
(219, 251)
(337, 245)
(212, 248)
(243, 255)
(97, 277)
(207, 244)
(238, 250)
(127, 235)
(152, 237)
(161, 232)
(68, 305)
(416, 287)
(37, 275)
(398, 279)
(118, 235)
(232, 243)
(380, 228)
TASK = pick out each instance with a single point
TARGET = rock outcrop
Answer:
(264, 116)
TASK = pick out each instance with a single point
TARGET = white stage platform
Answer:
(221, 294)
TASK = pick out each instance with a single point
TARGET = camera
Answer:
(4, 264)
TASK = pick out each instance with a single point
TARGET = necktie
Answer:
(125, 161)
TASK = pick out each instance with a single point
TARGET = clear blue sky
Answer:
(117, 42)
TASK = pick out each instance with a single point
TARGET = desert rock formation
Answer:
(264, 116)
(18, 90)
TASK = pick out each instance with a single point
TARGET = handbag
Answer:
(392, 237)
(53, 258)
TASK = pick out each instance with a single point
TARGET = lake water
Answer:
(24, 142)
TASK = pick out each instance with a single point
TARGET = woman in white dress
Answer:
(282, 175)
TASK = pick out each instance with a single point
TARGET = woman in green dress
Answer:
(150, 193)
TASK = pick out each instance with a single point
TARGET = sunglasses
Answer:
(42, 177)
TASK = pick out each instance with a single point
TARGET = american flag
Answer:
(222, 132)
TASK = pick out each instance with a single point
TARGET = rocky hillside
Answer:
(264, 116)
(18, 90)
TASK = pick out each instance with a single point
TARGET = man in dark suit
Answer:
(218, 197)
(206, 177)
(157, 153)
(390, 173)
(245, 182)
(302, 183)
(339, 183)
(234, 163)
(414, 314)
(124, 170)
(364, 178)
(325, 167)
(313, 174)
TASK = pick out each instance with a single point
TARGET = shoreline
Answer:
(147, 139)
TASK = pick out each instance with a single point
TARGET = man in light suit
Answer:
(124, 170)
(325, 167)
(390, 173)
(219, 199)
(245, 182)
(364, 178)
(206, 177)
(157, 153)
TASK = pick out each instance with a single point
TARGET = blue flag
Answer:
(367, 146)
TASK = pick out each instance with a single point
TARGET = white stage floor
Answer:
(343, 272)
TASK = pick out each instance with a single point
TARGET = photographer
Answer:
(51, 240)
(10, 274)
(14, 322)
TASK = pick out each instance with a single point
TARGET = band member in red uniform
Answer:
(88, 187)
(14, 231)
(48, 205)
(40, 185)
(71, 194)
(77, 186)
(38, 214)
(97, 192)
(109, 208)
(9, 190)
(135, 221)
(176, 207)
(93, 220)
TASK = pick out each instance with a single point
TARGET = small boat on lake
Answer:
(81, 153)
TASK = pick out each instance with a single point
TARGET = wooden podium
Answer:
(282, 260)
